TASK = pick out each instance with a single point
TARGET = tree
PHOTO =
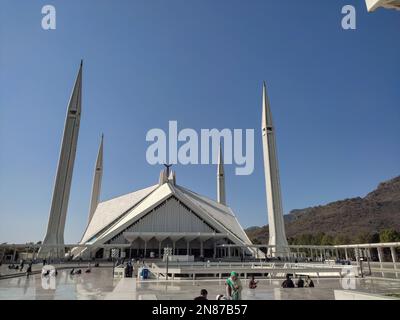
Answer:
(363, 237)
(341, 239)
(389, 235)
(317, 239)
(374, 238)
(327, 240)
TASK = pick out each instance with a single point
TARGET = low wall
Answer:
(357, 295)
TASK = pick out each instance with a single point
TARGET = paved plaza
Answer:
(100, 285)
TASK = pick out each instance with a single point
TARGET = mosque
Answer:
(164, 215)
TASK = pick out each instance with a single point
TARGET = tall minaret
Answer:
(221, 198)
(97, 177)
(277, 235)
(62, 186)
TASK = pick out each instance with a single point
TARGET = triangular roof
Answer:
(109, 211)
(221, 213)
(113, 216)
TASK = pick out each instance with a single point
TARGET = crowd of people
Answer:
(21, 266)
(288, 283)
(234, 286)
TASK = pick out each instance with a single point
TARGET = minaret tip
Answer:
(97, 179)
(221, 197)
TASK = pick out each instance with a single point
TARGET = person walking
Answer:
(29, 270)
(22, 265)
(234, 286)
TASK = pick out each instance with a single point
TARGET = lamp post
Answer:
(114, 253)
(167, 252)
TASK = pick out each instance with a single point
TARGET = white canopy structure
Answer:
(164, 215)
(372, 5)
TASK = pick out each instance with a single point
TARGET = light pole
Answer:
(114, 253)
(167, 254)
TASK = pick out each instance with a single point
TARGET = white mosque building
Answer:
(164, 215)
(144, 222)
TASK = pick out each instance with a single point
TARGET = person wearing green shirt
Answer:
(234, 286)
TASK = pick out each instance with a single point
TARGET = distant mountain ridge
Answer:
(348, 219)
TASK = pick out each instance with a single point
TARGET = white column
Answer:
(145, 249)
(356, 254)
(346, 254)
(393, 252)
(187, 247)
(380, 254)
(62, 184)
(229, 252)
(96, 188)
(159, 248)
(277, 235)
(201, 249)
(215, 250)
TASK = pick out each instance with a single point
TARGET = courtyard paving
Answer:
(100, 285)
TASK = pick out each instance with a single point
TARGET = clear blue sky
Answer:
(334, 94)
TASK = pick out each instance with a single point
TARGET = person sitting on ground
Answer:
(309, 282)
(221, 297)
(233, 286)
(288, 283)
(203, 295)
(253, 283)
(79, 271)
(300, 283)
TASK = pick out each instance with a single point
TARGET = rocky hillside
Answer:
(346, 219)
